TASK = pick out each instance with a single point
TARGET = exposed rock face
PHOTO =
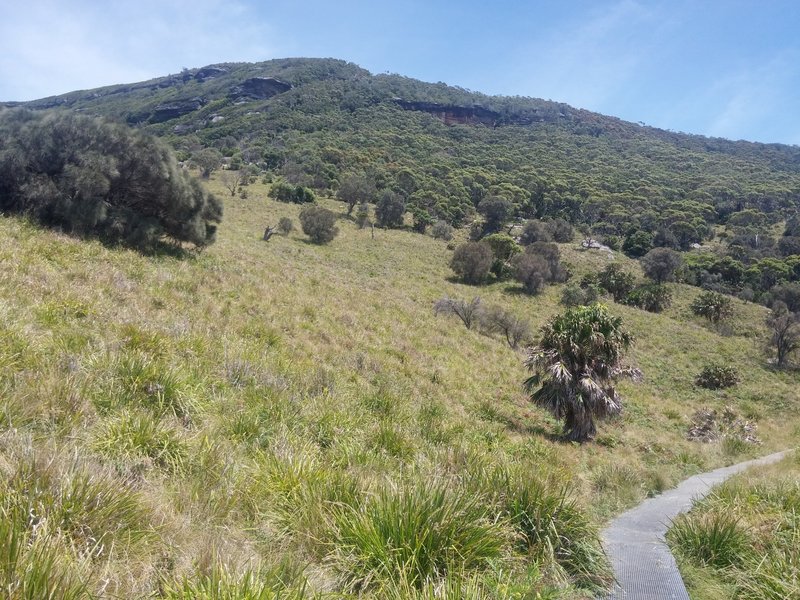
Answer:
(451, 113)
(165, 112)
(209, 72)
(259, 88)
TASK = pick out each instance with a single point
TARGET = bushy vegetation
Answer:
(713, 306)
(715, 377)
(471, 262)
(319, 224)
(91, 177)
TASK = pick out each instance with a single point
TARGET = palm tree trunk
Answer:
(579, 425)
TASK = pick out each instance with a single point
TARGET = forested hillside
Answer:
(444, 150)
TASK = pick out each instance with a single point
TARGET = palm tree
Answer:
(574, 366)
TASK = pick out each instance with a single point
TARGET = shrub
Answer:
(355, 189)
(562, 231)
(285, 225)
(713, 306)
(295, 194)
(535, 231)
(504, 248)
(660, 264)
(91, 177)
(496, 211)
(784, 328)
(580, 295)
(390, 210)
(714, 377)
(319, 224)
(471, 262)
(652, 298)
(616, 281)
(362, 215)
(532, 271)
(513, 327)
(442, 230)
(468, 312)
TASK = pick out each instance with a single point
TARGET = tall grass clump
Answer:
(551, 528)
(221, 583)
(716, 540)
(417, 535)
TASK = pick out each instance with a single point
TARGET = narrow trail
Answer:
(643, 565)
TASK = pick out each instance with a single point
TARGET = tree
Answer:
(575, 364)
(232, 180)
(637, 244)
(207, 160)
(355, 189)
(616, 281)
(471, 262)
(784, 327)
(319, 224)
(390, 210)
(535, 231)
(713, 306)
(660, 264)
(496, 211)
(532, 271)
(652, 297)
(91, 177)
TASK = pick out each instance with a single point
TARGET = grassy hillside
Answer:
(255, 415)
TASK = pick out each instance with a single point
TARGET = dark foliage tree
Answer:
(788, 293)
(616, 281)
(575, 364)
(653, 298)
(355, 189)
(637, 244)
(471, 262)
(442, 230)
(390, 210)
(561, 230)
(91, 177)
(319, 224)
(535, 231)
(580, 295)
(532, 271)
(469, 312)
(496, 212)
(784, 327)
(713, 306)
(660, 264)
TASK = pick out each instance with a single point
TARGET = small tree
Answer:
(319, 224)
(713, 306)
(616, 281)
(575, 364)
(468, 312)
(784, 328)
(496, 212)
(653, 297)
(355, 189)
(532, 271)
(660, 264)
(207, 160)
(471, 262)
(390, 210)
(535, 231)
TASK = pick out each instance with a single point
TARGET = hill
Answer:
(287, 419)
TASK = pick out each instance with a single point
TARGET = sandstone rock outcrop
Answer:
(259, 88)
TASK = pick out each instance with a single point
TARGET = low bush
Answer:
(714, 377)
(285, 225)
(716, 539)
(319, 224)
(295, 194)
(653, 298)
(471, 262)
(468, 312)
(442, 230)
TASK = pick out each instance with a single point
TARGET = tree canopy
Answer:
(92, 177)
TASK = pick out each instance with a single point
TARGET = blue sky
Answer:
(723, 68)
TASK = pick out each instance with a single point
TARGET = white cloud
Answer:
(49, 47)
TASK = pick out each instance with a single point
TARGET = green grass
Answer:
(271, 400)
(744, 539)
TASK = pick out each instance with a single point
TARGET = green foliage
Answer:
(715, 377)
(416, 534)
(471, 262)
(221, 584)
(390, 210)
(285, 225)
(356, 189)
(442, 230)
(574, 365)
(717, 540)
(285, 192)
(580, 295)
(92, 177)
(319, 224)
(713, 306)
(616, 281)
(660, 264)
(652, 298)
(638, 243)
(539, 265)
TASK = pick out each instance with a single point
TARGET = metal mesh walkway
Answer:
(643, 565)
